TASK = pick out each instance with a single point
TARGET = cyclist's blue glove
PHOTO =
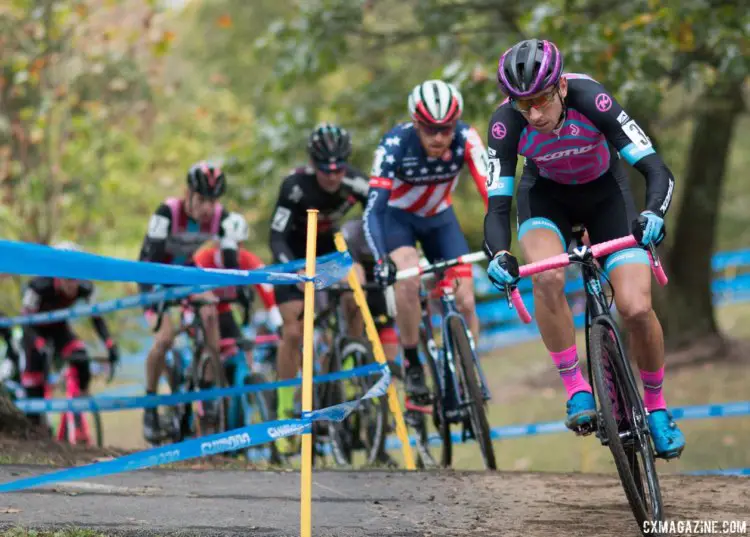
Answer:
(503, 271)
(649, 228)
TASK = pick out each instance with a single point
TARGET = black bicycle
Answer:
(365, 429)
(459, 388)
(196, 370)
(621, 422)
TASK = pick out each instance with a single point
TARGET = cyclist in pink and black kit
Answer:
(573, 135)
(414, 174)
(176, 230)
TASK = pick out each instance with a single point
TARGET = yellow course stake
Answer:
(377, 348)
(307, 373)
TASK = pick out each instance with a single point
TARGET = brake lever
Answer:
(508, 293)
(654, 255)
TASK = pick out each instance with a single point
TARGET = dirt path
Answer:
(223, 503)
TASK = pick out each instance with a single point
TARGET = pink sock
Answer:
(570, 372)
(653, 398)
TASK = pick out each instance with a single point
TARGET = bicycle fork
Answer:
(72, 425)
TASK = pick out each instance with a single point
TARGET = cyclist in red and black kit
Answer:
(210, 257)
(175, 232)
(50, 294)
(574, 134)
(333, 187)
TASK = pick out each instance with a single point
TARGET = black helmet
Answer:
(206, 179)
(529, 67)
(329, 146)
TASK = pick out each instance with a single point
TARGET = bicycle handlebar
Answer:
(466, 259)
(194, 303)
(75, 358)
(563, 260)
(260, 339)
(340, 289)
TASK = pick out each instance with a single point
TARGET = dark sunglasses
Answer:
(434, 130)
(331, 167)
(539, 102)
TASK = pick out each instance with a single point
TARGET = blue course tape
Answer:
(730, 471)
(299, 264)
(110, 403)
(725, 410)
(133, 301)
(241, 438)
(39, 260)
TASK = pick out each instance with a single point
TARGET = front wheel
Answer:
(439, 417)
(622, 425)
(177, 421)
(212, 413)
(261, 408)
(77, 427)
(365, 427)
(472, 392)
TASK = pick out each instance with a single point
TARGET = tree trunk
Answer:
(689, 315)
(13, 423)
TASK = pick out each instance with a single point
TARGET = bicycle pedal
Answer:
(585, 429)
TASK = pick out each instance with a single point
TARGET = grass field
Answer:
(526, 389)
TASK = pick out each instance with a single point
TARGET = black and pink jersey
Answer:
(595, 133)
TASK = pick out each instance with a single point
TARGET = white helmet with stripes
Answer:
(435, 102)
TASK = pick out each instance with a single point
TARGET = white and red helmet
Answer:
(435, 102)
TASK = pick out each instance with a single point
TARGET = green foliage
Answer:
(104, 104)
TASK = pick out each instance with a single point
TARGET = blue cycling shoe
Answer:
(581, 412)
(668, 439)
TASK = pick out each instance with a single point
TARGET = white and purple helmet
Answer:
(529, 67)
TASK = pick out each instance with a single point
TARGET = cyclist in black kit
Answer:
(333, 187)
(49, 294)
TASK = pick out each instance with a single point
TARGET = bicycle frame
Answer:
(241, 371)
(194, 330)
(598, 312)
(624, 429)
(454, 402)
(67, 428)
